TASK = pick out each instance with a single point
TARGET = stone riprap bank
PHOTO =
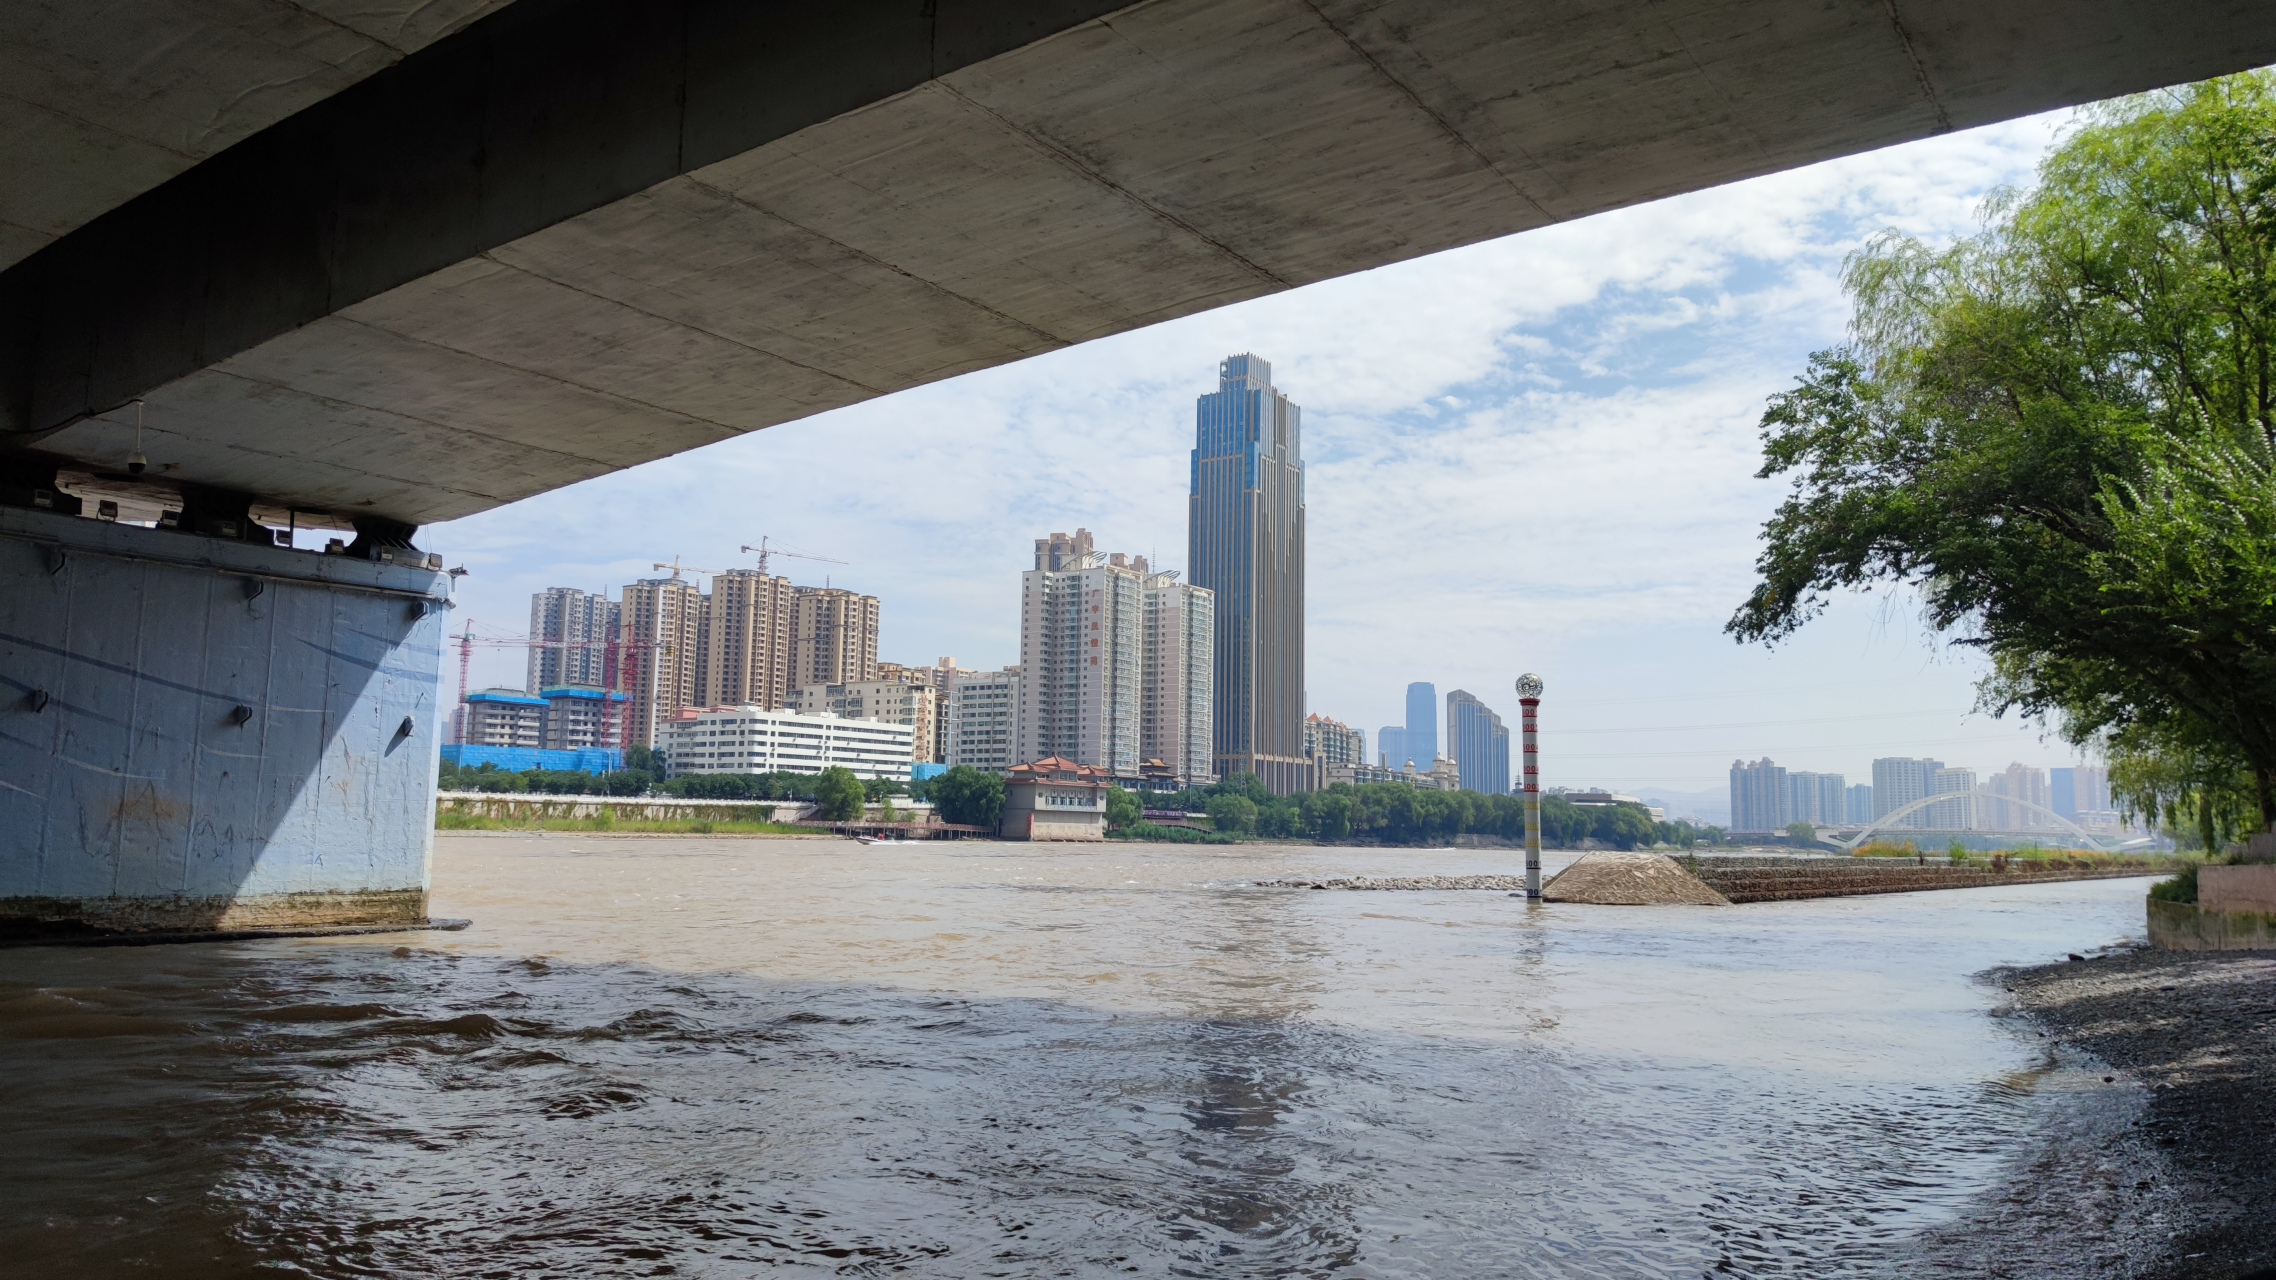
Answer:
(1774, 879)
(1630, 879)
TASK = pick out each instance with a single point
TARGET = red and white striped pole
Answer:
(1529, 700)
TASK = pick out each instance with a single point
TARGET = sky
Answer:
(1532, 454)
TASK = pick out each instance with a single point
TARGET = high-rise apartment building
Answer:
(1081, 661)
(2081, 789)
(1177, 659)
(1333, 741)
(2018, 799)
(1478, 741)
(1245, 542)
(1759, 796)
(1859, 807)
(745, 646)
(983, 718)
(1422, 723)
(1897, 782)
(1391, 746)
(833, 636)
(663, 623)
(1816, 797)
(1959, 812)
(1061, 551)
(569, 633)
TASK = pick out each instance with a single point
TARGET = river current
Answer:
(726, 1058)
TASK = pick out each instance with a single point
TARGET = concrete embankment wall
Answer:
(203, 733)
(1757, 879)
(2235, 911)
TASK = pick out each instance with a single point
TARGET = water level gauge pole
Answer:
(1529, 700)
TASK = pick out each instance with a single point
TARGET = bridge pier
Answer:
(202, 731)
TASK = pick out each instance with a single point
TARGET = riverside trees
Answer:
(1395, 813)
(2063, 432)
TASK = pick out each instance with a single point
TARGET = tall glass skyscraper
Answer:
(1479, 743)
(1422, 724)
(1245, 541)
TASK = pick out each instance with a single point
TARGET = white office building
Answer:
(982, 708)
(751, 739)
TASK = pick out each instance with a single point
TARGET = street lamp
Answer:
(1529, 702)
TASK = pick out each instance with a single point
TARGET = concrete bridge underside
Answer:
(416, 260)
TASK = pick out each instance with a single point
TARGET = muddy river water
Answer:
(723, 1058)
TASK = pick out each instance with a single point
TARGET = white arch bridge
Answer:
(1889, 821)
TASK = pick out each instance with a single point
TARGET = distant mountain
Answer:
(1714, 806)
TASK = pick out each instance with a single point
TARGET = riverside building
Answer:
(1899, 781)
(663, 618)
(1245, 542)
(570, 632)
(755, 740)
(503, 718)
(1081, 661)
(580, 717)
(1478, 743)
(745, 644)
(1332, 742)
(833, 636)
(1759, 796)
(982, 719)
(883, 701)
(1177, 661)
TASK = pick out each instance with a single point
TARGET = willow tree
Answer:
(2062, 431)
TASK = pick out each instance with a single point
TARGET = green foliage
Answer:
(741, 786)
(1395, 813)
(1234, 813)
(838, 795)
(1122, 808)
(968, 796)
(2060, 431)
(2181, 888)
(1173, 835)
(1802, 833)
(554, 782)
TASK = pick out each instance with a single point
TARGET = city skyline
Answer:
(1626, 358)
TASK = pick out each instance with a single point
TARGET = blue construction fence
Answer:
(523, 759)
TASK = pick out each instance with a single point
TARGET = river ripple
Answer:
(727, 1057)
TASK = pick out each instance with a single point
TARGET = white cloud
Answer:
(1536, 451)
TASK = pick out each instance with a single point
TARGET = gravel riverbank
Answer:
(2159, 1160)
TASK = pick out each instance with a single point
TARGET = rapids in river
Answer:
(731, 1057)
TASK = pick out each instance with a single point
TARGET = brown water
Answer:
(714, 1057)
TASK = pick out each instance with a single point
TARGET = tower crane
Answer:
(620, 658)
(677, 568)
(764, 551)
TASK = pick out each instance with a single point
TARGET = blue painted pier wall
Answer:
(198, 733)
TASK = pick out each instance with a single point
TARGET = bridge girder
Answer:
(575, 235)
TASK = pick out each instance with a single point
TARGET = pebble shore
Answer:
(2159, 1159)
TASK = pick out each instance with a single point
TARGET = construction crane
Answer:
(618, 657)
(764, 551)
(676, 567)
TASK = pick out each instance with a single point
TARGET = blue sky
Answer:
(1535, 453)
